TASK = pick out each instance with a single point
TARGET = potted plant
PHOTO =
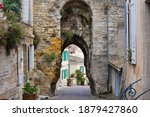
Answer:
(79, 76)
(69, 81)
(82, 81)
(29, 92)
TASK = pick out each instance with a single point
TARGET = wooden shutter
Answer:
(125, 22)
(65, 55)
(25, 11)
(31, 57)
(20, 66)
(133, 31)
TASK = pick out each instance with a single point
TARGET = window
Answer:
(65, 56)
(64, 74)
(27, 11)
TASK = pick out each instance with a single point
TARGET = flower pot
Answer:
(29, 96)
(68, 84)
(82, 82)
(78, 82)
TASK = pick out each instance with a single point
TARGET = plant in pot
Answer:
(29, 92)
(69, 82)
(79, 76)
(82, 81)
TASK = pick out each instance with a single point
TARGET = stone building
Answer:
(15, 67)
(95, 26)
(137, 38)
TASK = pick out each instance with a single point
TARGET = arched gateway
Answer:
(79, 22)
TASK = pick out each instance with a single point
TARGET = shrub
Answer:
(130, 55)
(11, 35)
(14, 36)
(36, 39)
(67, 34)
(49, 57)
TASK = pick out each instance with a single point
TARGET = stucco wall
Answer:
(141, 70)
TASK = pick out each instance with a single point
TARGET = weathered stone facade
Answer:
(8, 74)
(11, 82)
(90, 27)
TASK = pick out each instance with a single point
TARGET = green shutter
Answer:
(64, 74)
(65, 56)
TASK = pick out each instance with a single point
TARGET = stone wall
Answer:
(8, 74)
(10, 88)
(47, 24)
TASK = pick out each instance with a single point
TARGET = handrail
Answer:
(132, 91)
(142, 94)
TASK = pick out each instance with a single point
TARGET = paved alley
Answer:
(77, 93)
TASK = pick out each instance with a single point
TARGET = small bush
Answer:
(68, 34)
(130, 55)
(49, 57)
(14, 36)
(11, 35)
(36, 39)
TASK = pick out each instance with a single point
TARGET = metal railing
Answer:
(130, 92)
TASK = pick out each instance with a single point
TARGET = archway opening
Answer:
(73, 79)
(76, 28)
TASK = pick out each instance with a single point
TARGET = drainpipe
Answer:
(107, 21)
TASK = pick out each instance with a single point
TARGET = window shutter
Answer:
(31, 57)
(20, 66)
(125, 23)
(65, 56)
(133, 31)
(25, 11)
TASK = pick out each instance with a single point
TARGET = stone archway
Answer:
(76, 28)
(84, 20)
(78, 41)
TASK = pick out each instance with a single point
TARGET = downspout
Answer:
(107, 21)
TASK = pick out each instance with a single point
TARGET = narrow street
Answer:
(74, 93)
(77, 93)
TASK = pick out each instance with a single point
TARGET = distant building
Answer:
(72, 59)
